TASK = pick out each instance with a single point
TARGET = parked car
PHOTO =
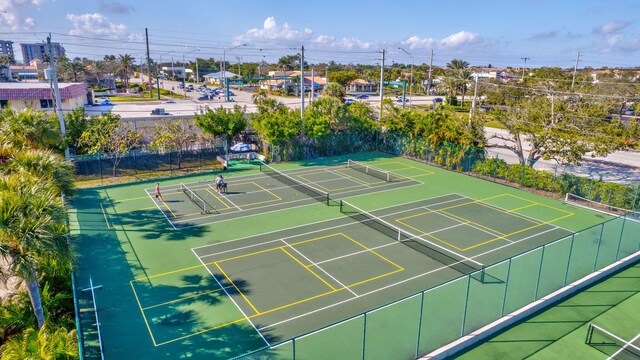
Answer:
(349, 101)
(103, 101)
(437, 101)
(170, 102)
(205, 97)
(240, 147)
(362, 96)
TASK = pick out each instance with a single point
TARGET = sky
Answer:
(482, 32)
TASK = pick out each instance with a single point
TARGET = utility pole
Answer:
(381, 85)
(302, 83)
(525, 66)
(575, 68)
(313, 83)
(53, 77)
(146, 34)
(473, 103)
(430, 65)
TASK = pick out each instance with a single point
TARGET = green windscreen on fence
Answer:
(422, 323)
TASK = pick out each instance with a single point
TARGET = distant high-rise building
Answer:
(6, 49)
(39, 51)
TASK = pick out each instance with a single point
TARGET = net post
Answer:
(566, 198)
(388, 177)
(328, 199)
(587, 340)
(341, 206)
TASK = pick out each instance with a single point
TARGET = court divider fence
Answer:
(423, 322)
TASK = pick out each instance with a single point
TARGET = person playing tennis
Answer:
(220, 184)
(158, 195)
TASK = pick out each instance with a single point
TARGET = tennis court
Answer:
(194, 204)
(283, 253)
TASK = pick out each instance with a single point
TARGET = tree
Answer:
(259, 96)
(342, 77)
(124, 64)
(76, 123)
(360, 118)
(279, 126)
(557, 129)
(29, 128)
(334, 90)
(175, 136)
(32, 229)
(41, 344)
(73, 71)
(458, 75)
(325, 115)
(223, 122)
(107, 134)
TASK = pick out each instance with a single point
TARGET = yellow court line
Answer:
(517, 232)
(217, 198)
(431, 235)
(205, 330)
(541, 204)
(469, 202)
(104, 213)
(185, 298)
(356, 179)
(374, 278)
(143, 314)
(522, 207)
(511, 212)
(144, 278)
(308, 269)
(237, 289)
(474, 223)
(314, 183)
(168, 208)
(276, 196)
(428, 212)
(144, 208)
(272, 249)
(260, 202)
(372, 251)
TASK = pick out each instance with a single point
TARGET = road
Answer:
(621, 166)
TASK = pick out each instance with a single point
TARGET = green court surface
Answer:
(561, 331)
(203, 274)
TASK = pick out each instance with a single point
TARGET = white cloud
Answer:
(95, 24)
(271, 31)
(611, 27)
(415, 42)
(12, 17)
(460, 39)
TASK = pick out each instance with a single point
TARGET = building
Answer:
(39, 51)
(39, 96)
(217, 77)
(6, 49)
(33, 71)
(361, 85)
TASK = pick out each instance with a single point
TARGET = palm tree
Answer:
(124, 66)
(457, 70)
(29, 128)
(334, 90)
(41, 344)
(32, 230)
(73, 70)
(259, 96)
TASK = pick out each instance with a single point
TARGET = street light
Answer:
(410, 81)
(224, 62)
(184, 69)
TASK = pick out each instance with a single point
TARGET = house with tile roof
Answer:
(39, 95)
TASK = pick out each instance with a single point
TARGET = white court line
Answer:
(159, 208)
(306, 199)
(626, 346)
(394, 284)
(321, 269)
(348, 178)
(230, 298)
(511, 212)
(301, 234)
(226, 198)
(467, 224)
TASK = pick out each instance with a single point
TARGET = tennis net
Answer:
(441, 254)
(306, 189)
(610, 344)
(374, 171)
(195, 198)
(598, 206)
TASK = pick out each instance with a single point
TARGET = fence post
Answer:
(100, 169)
